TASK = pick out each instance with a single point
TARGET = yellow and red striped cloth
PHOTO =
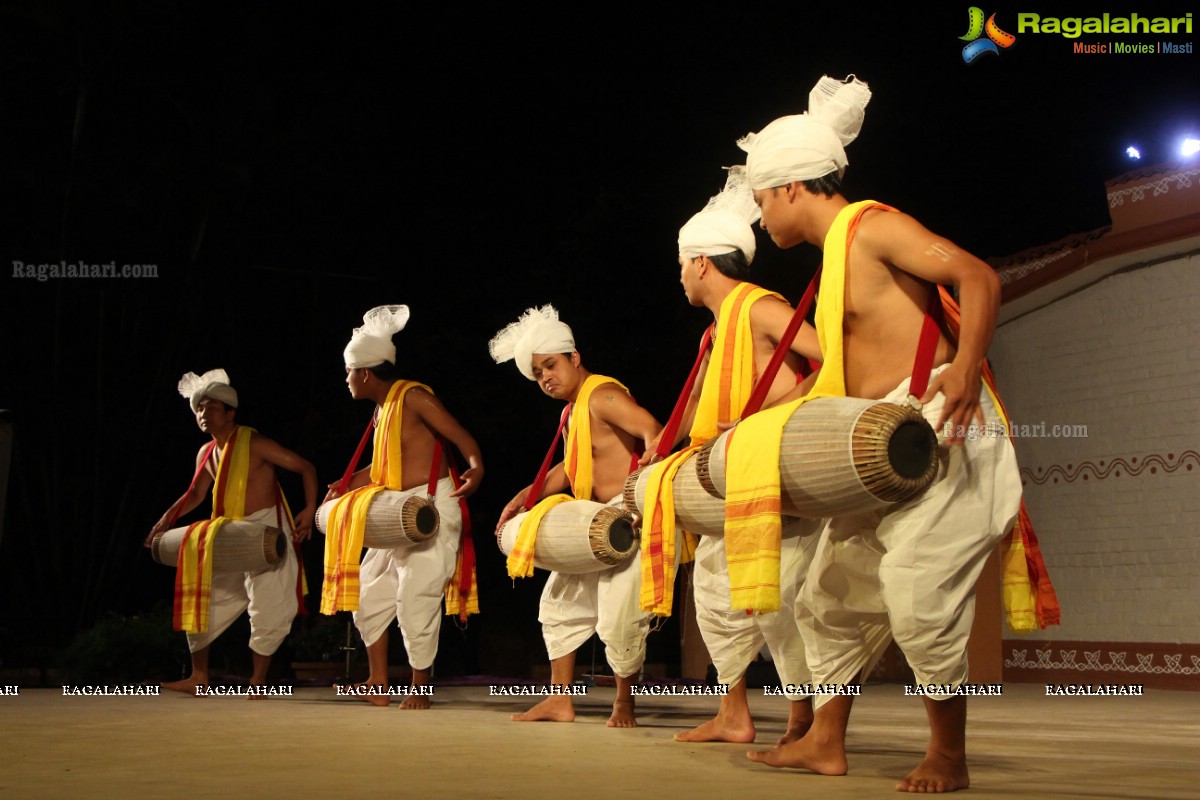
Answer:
(728, 383)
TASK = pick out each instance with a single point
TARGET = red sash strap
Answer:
(666, 442)
(208, 451)
(759, 395)
(435, 467)
(344, 484)
(926, 348)
(466, 540)
(280, 509)
(535, 491)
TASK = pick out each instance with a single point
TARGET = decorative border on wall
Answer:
(1182, 180)
(1165, 666)
(1188, 460)
(1015, 273)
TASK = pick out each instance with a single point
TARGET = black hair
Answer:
(386, 371)
(733, 265)
(828, 185)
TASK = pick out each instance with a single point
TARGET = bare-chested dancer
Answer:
(573, 607)
(887, 267)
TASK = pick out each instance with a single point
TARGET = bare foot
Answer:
(804, 753)
(187, 686)
(719, 729)
(936, 773)
(622, 715)
(374, 693)
(415, 702)
(794, 733)
(800, 719)
(556, 708)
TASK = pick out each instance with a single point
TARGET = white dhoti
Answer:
(735, 638)
(269, 596)
(407, 584)
(573, 607)
(909, 572)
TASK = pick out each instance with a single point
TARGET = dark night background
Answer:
(287, 167)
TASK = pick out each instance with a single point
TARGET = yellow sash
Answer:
(193, 573)
(348, 516)
(728, 383)
(753, 534)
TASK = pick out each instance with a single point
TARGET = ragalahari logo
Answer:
(976, 27)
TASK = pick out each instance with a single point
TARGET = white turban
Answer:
(810, 145)
(537, 331)
(214, 384)
(371, 345)
(724, 225)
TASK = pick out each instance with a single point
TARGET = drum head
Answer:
(910, 449)
(622, 536)
(427, 520)
(280, 542)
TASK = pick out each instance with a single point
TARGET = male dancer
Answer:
(908, 573)
(403, 584)
(239, 464)
(607, 431)
(716, 248)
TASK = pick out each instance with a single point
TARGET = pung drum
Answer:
(394, 519)
(577, 537)
(696, 510)
(839, 456)
(239, 546)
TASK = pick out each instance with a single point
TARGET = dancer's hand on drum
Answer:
(651, 455)
(470, 482)
(333, 492)
(959, 385)
(304, 525)
(158, 528)
(514, 507)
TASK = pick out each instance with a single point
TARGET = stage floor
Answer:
(1021, 745)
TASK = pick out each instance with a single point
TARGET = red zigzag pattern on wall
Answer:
(1135, 466)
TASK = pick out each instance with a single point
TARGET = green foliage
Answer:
(125, 650)
(321, 640)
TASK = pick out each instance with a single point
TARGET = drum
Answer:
(577, 537)
(839, 456)
(239, 546)
(696, 510)
(394, 519)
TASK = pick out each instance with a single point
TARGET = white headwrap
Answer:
(809, 145)
(537, 331)
(725, 224)
(214, 384)
(371, 345)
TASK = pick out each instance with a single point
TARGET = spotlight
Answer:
(1133, 153)
(1189, 147)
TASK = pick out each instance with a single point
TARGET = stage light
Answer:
(1189, 147)
(1133, 153)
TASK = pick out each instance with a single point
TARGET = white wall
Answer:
(1121, 357)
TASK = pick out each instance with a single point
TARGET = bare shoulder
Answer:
(259, 441)
(419, 395)
(770, 317)
(770, 307)
(881, 230)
